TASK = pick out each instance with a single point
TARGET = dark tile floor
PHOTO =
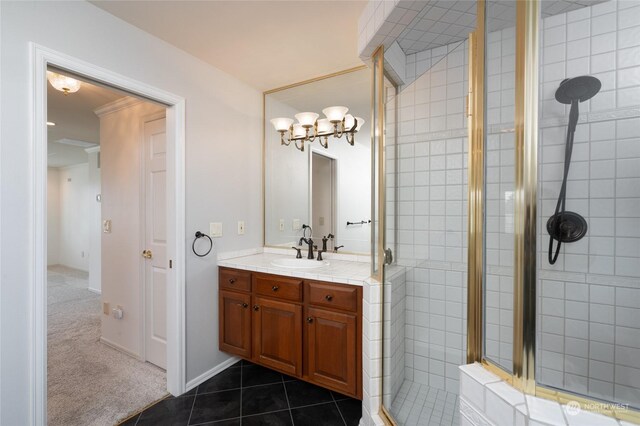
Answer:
(248, 394)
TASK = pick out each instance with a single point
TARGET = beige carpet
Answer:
(90, 383)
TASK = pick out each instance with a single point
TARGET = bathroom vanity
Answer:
(307, 328)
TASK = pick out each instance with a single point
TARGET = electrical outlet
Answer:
(281, 226)
(296, 225)
(106, 226)
(215, 229)
(105, 308)
(241, 227)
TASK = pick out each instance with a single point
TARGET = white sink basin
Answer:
(299, 263)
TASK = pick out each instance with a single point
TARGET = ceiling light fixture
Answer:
(63, 83)
(50, 123)
(337, 123)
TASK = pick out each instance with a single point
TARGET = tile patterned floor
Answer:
(248, 394)
(418, 404)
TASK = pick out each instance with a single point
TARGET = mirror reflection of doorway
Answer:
(323, 199)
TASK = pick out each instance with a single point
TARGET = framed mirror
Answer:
(320, 175)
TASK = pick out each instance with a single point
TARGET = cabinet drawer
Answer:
(233, 279)
(278, 287)
(332, 295)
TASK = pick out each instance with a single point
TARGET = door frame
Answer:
(334, 188)
(41, 57)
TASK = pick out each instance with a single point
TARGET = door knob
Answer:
(147, 254)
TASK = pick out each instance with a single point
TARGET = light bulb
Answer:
(335, 113)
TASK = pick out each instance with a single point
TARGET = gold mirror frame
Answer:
(264, 143)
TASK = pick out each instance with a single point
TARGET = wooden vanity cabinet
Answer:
(307, 329)
(234, 311)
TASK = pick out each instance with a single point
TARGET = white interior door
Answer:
(156, 242)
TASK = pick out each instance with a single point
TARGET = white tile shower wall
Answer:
(589, 301)
(426, 177)
(393, 334)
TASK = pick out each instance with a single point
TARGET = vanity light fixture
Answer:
(309, 127)
(63, 83)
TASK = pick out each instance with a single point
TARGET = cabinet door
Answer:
(277, 335)
(332, 349)
(235, 323)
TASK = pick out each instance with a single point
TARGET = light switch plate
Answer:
(241, 227)
(296, 225)
(106, 226)
(215, 229)
(281, 226)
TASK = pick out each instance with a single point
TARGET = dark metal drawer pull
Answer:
(309, 320)
(275, 288)
(328, 297)
(232, 280)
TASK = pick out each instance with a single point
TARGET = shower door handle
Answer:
(388, 256)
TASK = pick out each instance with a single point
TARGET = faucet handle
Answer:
(335, 249)
(298, 254)
(320, 255)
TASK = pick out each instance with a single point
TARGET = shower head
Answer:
(580, 89)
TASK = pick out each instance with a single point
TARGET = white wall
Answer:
(74, 216)
(223, 139)
(53, 216)
(95, 222)
(121, 159)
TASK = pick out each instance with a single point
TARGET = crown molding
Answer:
(117, 105)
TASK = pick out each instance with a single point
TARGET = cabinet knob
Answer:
(309, 320)
(245, 305)
(256, 307)
(329, 297)
(232, 280)
(275, 288)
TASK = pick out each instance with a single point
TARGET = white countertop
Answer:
(339, 271)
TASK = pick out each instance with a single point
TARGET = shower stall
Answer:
(508, 209)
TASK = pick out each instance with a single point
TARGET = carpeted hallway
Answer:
(90, 383)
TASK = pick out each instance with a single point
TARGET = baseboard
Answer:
(93, 290)
(209, 374)
(120, 348)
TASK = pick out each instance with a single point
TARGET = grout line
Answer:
(286, 395)
(192, 405)
(338, 408)
(215, 421)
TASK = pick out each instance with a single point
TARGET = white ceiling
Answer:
(266, 44)
(75, 119)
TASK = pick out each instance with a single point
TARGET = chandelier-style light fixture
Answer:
(63, 83)
(337, 123)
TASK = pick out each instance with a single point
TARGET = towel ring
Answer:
(193, 245)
